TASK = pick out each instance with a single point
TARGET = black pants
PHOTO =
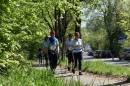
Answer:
(46, 59)
(70, 58)
(53, 58)
(78, 57)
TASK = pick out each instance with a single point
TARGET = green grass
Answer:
(28, 76)
(100, 67)
(64, 62)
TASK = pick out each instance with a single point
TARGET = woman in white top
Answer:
(77, 52)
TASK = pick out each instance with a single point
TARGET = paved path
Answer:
(87, 78)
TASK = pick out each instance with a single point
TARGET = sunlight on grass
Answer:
(100, 67)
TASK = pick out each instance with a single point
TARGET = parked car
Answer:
(106, 54)
(125, 54)
(91, 53)
(97, 53)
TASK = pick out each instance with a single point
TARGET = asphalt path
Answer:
(116, 61)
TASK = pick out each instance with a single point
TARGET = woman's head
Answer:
(46, 38)
(52, 33)
(70, 35)
(77, 35)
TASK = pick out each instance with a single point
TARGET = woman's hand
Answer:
(66, 54)
(47, 55)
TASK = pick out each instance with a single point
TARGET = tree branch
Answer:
(50, 18)
(47, 21)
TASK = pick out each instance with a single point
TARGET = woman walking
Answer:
(44, 46)
(68, 48)
(77, 52)
(53, 50)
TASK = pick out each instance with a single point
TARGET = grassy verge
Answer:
(100, 67)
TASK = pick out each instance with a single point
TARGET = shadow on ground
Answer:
(123, 83)
(64, 73)
(38, 65)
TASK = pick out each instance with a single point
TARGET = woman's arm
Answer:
(57, 47)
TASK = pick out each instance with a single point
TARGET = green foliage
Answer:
(22, 26)
(113, 17)
(94, 39)
(69, 7)
(21, 32)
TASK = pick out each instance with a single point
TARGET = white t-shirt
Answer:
(79, 48)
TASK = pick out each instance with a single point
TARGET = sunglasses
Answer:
(52, 33)
(76, 35)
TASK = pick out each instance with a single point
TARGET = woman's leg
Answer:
(51, 61)
(55, 59)
(40, 59)
(80, 62)
(46, 59)
(69, 60)
(75, 62)
(72, 60)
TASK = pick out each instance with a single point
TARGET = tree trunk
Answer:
(78, 26)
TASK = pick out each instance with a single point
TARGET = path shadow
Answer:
(37, 65)
(88, 58)
(119, 83)
(66, 75)
(63, 73)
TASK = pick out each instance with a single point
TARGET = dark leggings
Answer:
(70, 58)
(46, 58)
(53, 58)
(78, 57)
(40, 59)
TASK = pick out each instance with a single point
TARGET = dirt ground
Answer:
(87, 79)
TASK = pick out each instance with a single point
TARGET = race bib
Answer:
(52, 47)
(70, 48)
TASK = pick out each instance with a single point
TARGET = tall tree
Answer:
(111, 12)
(111, 19)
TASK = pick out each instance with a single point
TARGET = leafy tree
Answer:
(125, 22)
(110, 18)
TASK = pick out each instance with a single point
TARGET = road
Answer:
(116, 61)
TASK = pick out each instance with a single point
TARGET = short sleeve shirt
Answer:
(44, 45)
(49, 44)
(69, 44)
(79, 48)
